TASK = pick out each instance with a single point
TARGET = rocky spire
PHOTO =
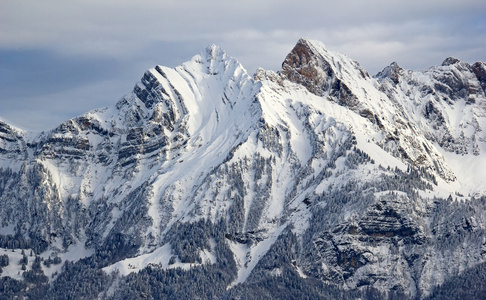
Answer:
(304, 66)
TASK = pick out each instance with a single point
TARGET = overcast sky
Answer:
(59, 59)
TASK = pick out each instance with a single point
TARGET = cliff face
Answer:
(319, 172)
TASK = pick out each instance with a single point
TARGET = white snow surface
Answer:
(160, 257)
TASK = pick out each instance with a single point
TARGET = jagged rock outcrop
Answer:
(446, 102)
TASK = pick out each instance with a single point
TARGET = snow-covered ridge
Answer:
(337, 78)
(448, 105)
(319, 153)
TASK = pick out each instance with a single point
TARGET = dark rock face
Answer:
(384, 221)
(11, 142)
(434, 115)
(383, 232)
(452, 83)
(305, 67)
(479, 69)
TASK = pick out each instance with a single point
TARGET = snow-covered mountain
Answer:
(319, 176)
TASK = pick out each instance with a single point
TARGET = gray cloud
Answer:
(82, 53)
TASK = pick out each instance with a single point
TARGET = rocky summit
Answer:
(316, 181)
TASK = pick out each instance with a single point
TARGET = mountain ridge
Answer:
(350, 171)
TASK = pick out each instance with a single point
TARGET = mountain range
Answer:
(316, 181)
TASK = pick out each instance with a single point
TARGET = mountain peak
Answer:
(215, 52)
(213, 60)
(320, 70)
(450, 61)
(392, 72)
(305, 54)
(310, 44)
(306, 65)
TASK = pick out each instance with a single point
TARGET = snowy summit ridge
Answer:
(318, 175)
